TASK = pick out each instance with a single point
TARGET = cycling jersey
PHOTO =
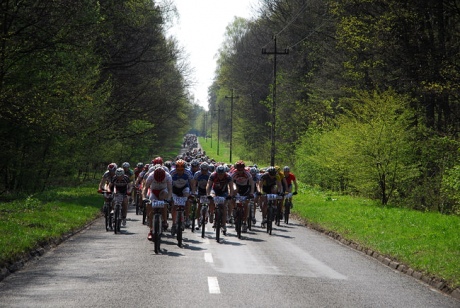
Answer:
(120, 185)
(242, 181)
(181, 182)
(220, 185)
(201, 181)
(156, 187)
(268, 182)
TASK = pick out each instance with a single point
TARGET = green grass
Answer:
(211, 152)
(25, 224)
(427, 242)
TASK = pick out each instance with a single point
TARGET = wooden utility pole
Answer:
(273, 131)
(231, 123)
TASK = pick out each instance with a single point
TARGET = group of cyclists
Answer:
(194, 175)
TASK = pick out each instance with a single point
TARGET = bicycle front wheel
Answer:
(157, 233)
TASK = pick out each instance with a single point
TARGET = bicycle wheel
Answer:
(203, 222)
(249, 222)
(179, 228)
(238, 222)
(278, 215)
(192, 216)
(138, 201)
(107, 216)
(218, 222)
(287, 211)
(115, 219)
(157, 233)
(269, 218)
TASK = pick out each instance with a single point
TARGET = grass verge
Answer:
(427, 242)
(29, 223)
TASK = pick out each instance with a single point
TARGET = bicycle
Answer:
(219, 212)
(117, 201)
(204, 213)
(193, 212)
(251, 217)
(180, 208)
(278, 213)
(139, 200)
(287, 207)
(271, 211)
(107, 209)
(157, 224)
(238, 214)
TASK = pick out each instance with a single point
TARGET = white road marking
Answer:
(208, 257)
(213, 285)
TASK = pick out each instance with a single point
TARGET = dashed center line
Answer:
(213, 285)
(208, 257)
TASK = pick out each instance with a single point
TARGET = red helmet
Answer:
(159, 174)
(157, 161)
(240, 165)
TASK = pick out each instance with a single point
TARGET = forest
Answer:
(359, 97)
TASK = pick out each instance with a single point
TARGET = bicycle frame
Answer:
(238, 215)
(271, 210)
(204, 213)
(220, 208)
(117, 201)
(157, 225)
(180, 208)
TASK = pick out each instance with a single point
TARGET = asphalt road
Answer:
(294, 267)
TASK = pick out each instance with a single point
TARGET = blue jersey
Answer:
(201, 181)
(182, 180)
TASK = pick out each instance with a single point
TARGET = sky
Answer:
(200, 31)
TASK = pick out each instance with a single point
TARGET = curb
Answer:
(437, 283)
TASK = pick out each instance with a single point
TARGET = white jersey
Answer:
(154, 185)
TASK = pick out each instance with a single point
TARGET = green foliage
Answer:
(368, 150)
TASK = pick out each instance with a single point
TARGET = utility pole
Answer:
(231, 123)
(273, 131)
(218, 129)
(211, 125)
(205, 130)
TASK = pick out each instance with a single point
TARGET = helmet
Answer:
(220, 169)
(277, 168)
(240, 165)
(140, 165)
(271, 171)
(253, 170)
(146, 167)
(180, 164)
(157, 161)
(120, 172)
(286, 169)
(168, 164)
(112, 167)
(211, 167)
(125, 165)
(159, 174)
(204, 166)
(195, 163)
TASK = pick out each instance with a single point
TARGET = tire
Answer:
(287, 211)
(107, 216)
(179, 229)
(203, 222)
(138, 201)
(157, 234)
(278, 215)
(115, 220)
(193, 217)
(269, 219)
(218, 222)
(144, 214)
(238, 222)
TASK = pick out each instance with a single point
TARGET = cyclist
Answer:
(158, 186)
(270, 183)
(280, 202)
(255, 178)
(244, 187)
(182, 185)
(194, 166)
(121, 183)
(290, 179)
(130, 173)
(106, 179)
(201, 178)
(220, 184)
